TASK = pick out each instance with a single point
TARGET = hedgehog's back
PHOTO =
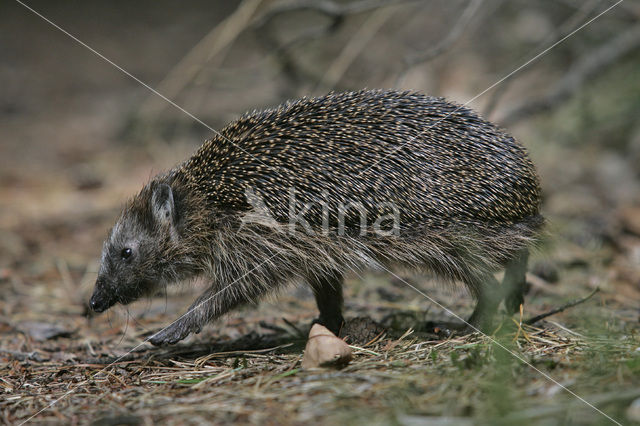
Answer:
(436, 162)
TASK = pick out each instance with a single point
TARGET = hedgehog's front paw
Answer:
(171, 334)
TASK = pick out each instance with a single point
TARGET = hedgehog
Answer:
(318, 187)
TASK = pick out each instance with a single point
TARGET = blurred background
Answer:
(78, 136)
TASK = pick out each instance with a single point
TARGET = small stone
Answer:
(633, 412)
(42, 331)
(325, 349)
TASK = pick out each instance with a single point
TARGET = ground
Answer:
(75, 144)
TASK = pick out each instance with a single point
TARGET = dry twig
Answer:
(452, 36)
(554, 36)
(457, 30)
(588, 67)
(331, 9)
(353, 48)
(559, 309)
(212, 45)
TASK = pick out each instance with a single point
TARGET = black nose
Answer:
(97, 303)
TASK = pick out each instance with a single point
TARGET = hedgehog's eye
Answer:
(126, 253)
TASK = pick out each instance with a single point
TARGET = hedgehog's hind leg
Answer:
(328, 292)
(487, 291)
(514, 282)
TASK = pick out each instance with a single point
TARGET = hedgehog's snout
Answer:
(101, 300)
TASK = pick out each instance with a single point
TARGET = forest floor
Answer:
(61, 363)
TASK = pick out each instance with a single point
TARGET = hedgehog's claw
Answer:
(170, 335)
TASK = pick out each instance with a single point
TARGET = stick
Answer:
(354, 47)
(537, 318)
(457, 30)
(588, 67)
(213, 44)
(329, 8)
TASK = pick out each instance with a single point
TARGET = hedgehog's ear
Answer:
(162, 204)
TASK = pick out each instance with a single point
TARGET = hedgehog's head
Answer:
(141, 252)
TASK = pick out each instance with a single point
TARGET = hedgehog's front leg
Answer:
(213, 303)
(200, 312)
